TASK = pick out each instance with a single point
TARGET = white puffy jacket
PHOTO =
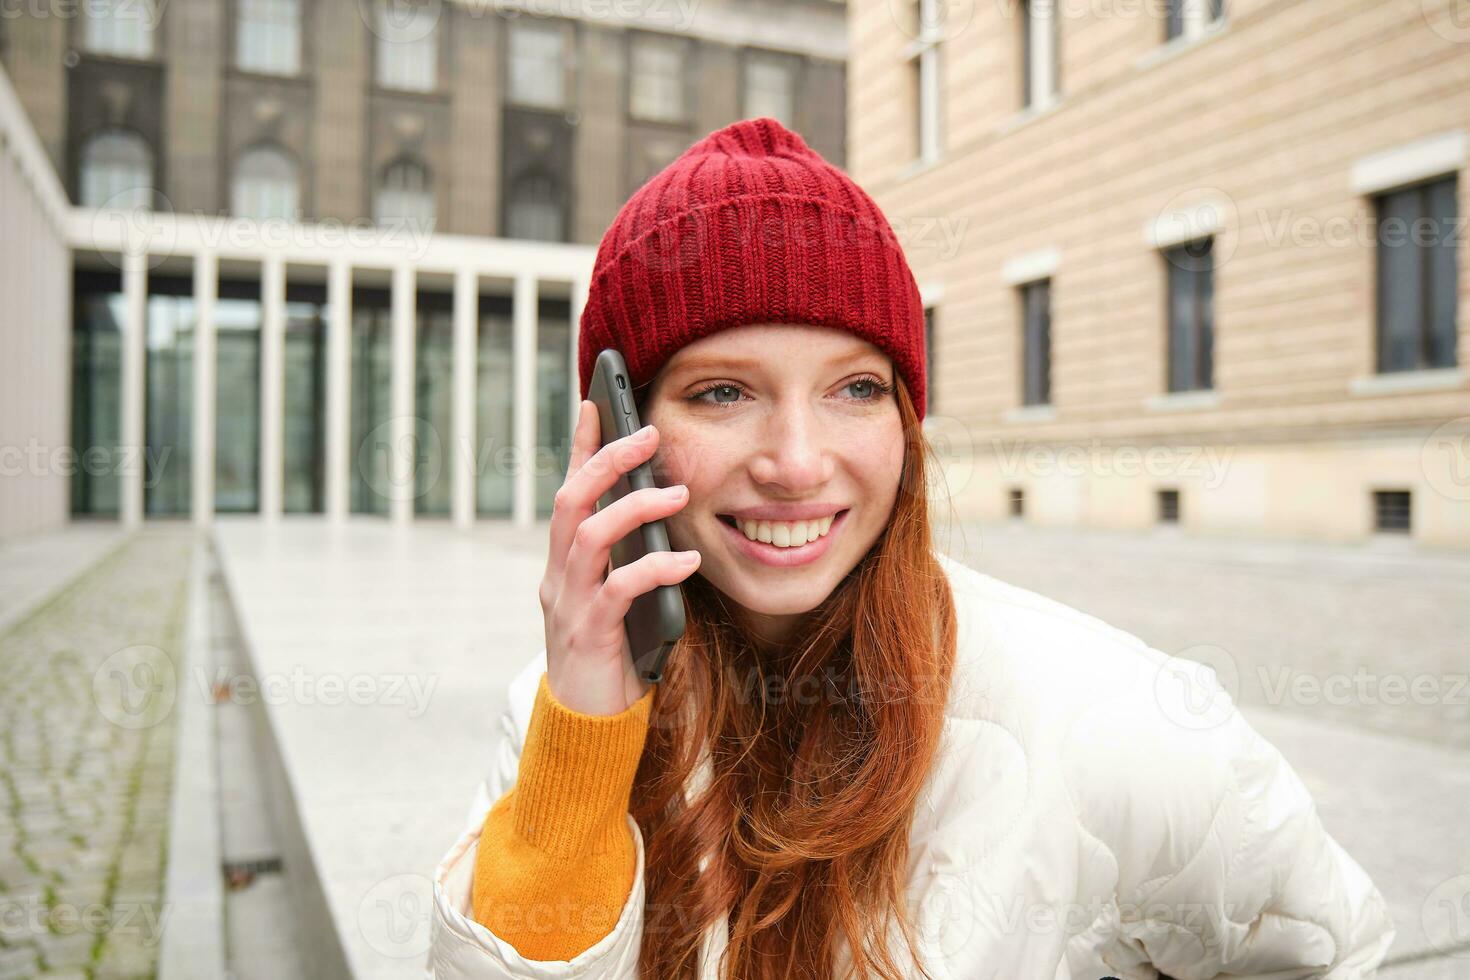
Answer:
(1097, 809)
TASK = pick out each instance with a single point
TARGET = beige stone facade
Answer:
(1272, 129)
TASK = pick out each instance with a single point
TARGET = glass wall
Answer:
(553, 400)
(372, 356)
(433, 402)
(303, 471)
(168, 396)
(237, 405)
(96, 390)
(494, 396)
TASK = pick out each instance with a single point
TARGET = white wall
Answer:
(35, 330)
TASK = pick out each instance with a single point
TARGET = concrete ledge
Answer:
(1183, 401)
(1030, 413)
(326, 953)
(1393, 382)
(193, 945)
(1435, 156)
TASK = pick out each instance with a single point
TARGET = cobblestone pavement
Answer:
(87, 683)
(1375, 636)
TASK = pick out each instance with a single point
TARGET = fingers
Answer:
(586, 436)
(592, 542)
(625, 584)
(587, 482)
(565, 516)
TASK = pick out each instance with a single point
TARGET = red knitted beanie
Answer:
(749, 225)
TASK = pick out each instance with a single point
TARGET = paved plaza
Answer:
(374, 660)
(86, 755)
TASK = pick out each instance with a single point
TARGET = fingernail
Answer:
(645, 432)
(689, 557)
(678, 490)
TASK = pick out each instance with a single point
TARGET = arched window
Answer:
(535, 210)
(116, 171)
(405, 196)
(265, 185)
(120, 27)
(268, 36)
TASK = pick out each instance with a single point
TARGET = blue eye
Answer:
(714, 388)
(876, 389)
(876, 386)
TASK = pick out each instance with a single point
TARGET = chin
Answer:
(772, 597)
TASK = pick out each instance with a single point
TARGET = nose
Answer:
(792, 454)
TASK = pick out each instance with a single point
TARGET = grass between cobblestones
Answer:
(88, 684)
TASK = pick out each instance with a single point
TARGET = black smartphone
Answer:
(655, 620)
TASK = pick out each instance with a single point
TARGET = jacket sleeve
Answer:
(460, 946)
(1269, 893)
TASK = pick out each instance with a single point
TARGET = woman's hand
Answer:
(589, 666)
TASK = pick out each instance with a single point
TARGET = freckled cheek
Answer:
(879, 463)
(698, 465)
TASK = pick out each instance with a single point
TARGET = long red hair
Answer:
(818, 752)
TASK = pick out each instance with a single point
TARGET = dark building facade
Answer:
(470, 117)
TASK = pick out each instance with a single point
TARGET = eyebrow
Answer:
(743, 363)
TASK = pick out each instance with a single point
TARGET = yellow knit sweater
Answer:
(556, 858)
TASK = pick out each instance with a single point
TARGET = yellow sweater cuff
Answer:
(576, 775)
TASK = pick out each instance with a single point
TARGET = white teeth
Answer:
(786, 534)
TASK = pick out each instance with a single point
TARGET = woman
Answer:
(866, 759)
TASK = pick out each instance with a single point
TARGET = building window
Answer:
(537, 64)
(408, 45)
(268, 36)
(535, 210)
(923, 55)
(1191, 18)
(1039, 53)
(1392, 511)
(1036, 345)
(656, 83)
(265, 185)
(1016, 503)
(1191, 270)
(1168, 506)
(770, 87)
(116, 171)
(1417, 277)
(405, 197)
(120, 27)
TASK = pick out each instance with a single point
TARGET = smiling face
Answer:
(784, 433)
